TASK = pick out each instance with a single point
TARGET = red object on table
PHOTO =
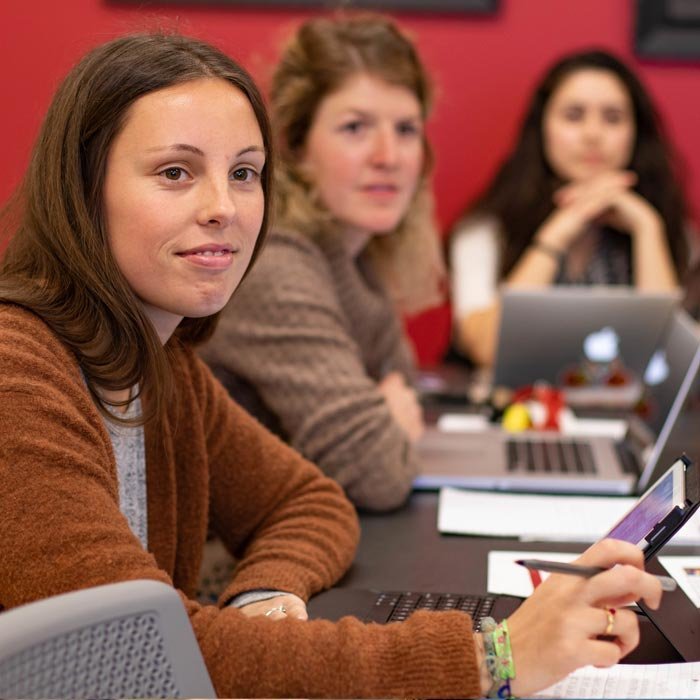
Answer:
(550, 397)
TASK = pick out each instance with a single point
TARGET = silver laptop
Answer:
(545, 332)
(550, 462)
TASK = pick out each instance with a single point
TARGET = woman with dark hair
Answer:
(313, 343)
(145, 202)
(587, 196)
(142, 209)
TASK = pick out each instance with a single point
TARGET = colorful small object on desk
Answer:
(549, 398)
(516, 418)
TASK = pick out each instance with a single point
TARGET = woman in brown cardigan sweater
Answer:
(143, 205)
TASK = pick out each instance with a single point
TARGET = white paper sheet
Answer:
(686, 571)
(462, 423)
(505, 576)
(541, 518)
(529, 517)
(630, 681)
(573, 426)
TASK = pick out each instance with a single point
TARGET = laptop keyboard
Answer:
(553, 456)
(396, 607)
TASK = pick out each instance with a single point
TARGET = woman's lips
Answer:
(593, 159)
(381, 191)
(210, 257)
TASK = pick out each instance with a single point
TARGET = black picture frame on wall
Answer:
(482, 7)
(668, 29)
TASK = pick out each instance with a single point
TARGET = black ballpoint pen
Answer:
(557, 567)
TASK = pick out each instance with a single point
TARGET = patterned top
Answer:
(475, 264)
(610, 263)
(302, 345)
(128, 443)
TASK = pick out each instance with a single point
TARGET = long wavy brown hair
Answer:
(324, 54)
(58, 263)
(520, 195)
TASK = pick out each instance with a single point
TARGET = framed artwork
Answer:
(668, 29)
(483, 7)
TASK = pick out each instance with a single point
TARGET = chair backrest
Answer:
(122, 640)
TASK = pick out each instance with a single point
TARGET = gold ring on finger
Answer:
(610, 612)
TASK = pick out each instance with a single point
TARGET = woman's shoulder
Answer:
(289, 242)
(476, 226)
(32, 355)
(22, 330)
(290, 260)
(16, 316)
(474, 241)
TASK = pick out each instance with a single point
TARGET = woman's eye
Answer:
(243, 174)
(573, 114)
(408, 129)
(173, 174)
(353, 127)
(613, 116)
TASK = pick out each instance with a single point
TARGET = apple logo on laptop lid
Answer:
(601, 346)
(657, 370)
(601, 378)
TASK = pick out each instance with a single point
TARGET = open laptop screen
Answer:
(666, 391)
(544, 332)
(667, 369)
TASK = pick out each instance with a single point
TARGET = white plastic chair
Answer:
(122, 640)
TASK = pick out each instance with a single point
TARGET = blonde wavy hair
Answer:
(321, 57)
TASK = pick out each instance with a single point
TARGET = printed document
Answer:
(629, 681)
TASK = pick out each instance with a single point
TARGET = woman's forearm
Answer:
(538, 265)
(653, 266)
(477, 334)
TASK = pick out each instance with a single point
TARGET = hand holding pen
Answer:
(581, 620)
(556, 567)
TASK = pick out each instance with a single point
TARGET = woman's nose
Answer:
(217, 206)
(592, 127)
(385, 148)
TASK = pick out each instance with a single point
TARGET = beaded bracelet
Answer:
(550, 250)
(498, 657)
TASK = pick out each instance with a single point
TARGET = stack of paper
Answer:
(629, 681)
(537, 517)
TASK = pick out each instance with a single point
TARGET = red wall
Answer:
(484, 68)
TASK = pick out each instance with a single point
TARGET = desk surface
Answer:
(404, 550)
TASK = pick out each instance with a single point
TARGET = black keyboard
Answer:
(553, 456)
(396, 607)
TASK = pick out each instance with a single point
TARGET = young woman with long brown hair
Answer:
(144, 204)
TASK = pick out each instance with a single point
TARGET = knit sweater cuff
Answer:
(252, 597)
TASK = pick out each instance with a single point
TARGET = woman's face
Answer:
(364, 153)
(588, 125)
(183, 198)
